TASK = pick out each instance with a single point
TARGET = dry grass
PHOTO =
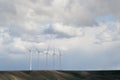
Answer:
(59, 75)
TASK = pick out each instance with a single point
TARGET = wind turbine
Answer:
(54, 58)
(38, 51)
(47, 53)
(60, 58)
(30, 59)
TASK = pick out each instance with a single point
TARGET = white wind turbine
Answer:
(30, 59)
(47, 54)
(39, 52)
(60, 58)
(54, 54)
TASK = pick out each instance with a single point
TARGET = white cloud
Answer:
(101, 34)
(110, 32)
(69, 30)
(5, 37)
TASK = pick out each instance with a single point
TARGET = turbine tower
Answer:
(38, 51)
(30, 59)
(60, 58)
(47, 53)
(54, 53)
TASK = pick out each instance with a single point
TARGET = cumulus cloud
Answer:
(110, 32)
(31, 17)
(70, 12)
(63, 31)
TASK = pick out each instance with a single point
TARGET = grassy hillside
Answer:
(60, 75)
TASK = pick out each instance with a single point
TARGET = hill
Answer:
(60, 75)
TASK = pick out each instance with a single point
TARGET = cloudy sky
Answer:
(86, 31)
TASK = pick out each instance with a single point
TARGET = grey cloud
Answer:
(7, 12)
(16, 15)
(51, 31)
(70, 12)
(78, 12)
